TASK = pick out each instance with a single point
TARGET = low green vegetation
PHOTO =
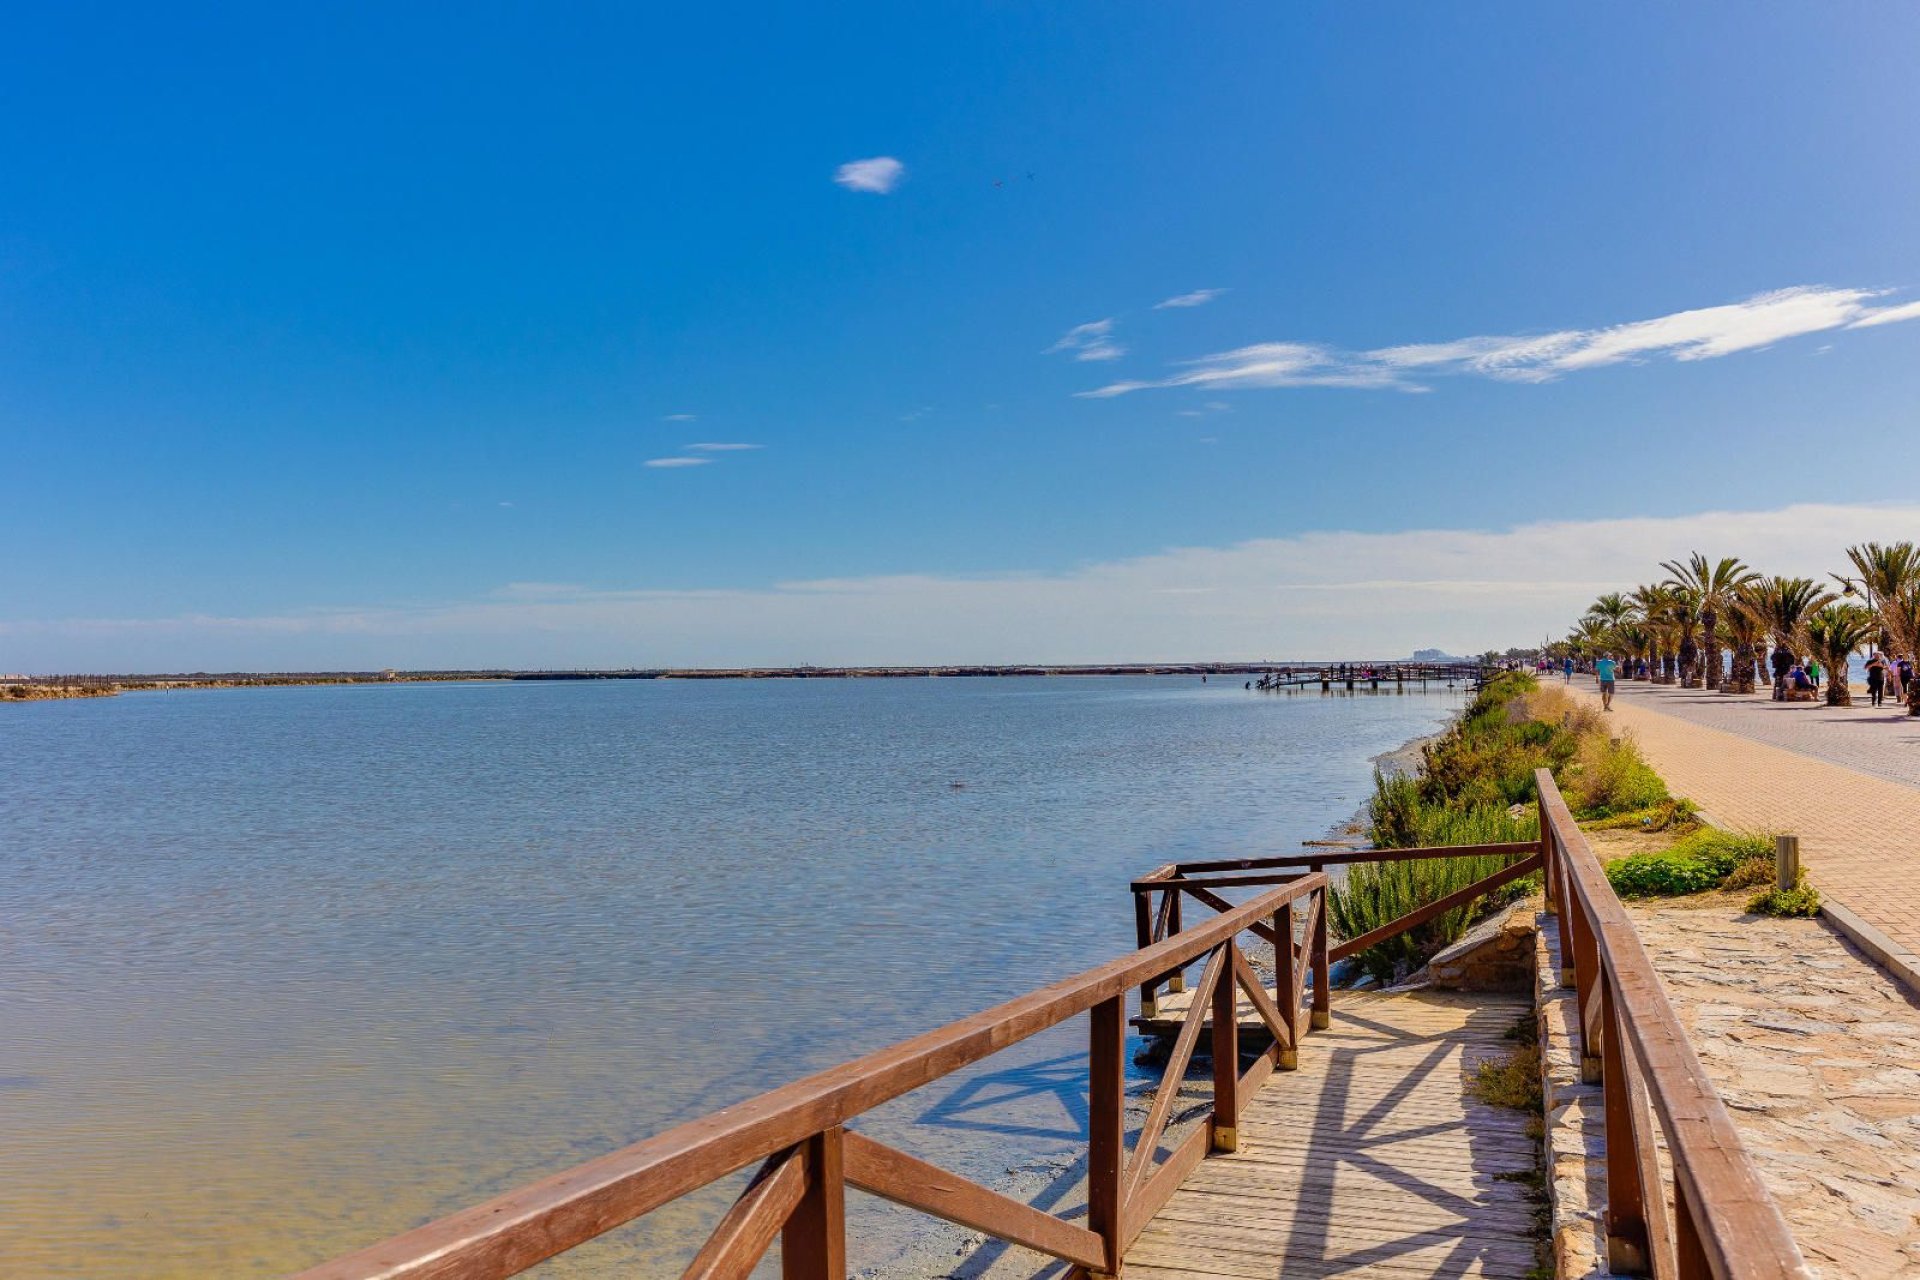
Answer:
(1705, 858)
(1802, 900)
(1377, 892)
(1476, 786)
(1677, 816)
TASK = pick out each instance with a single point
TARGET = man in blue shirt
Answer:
(1566, 667)
(1604, 669)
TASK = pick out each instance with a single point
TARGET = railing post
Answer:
(1690, 1257)
(1549, 860)
(1106, 1126)
(813, 1244)
(1143, 931)
(1322, 981)
(1226, 1056)
(1786, 862)
(1179, 980)
(1569, 960)
(1628, 1248)
(1589, 984)
(1286, 986)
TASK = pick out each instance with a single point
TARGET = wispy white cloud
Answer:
(1317, 594)
(1887, 315)
(878, 174)
(678, 462)
(678, 417)
(1703, 334)
(711, 446)
(1090, 341)
(1198, 298)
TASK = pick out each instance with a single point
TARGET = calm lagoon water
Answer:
(285, 970)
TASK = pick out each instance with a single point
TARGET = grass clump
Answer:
(1609, 776)
(1705, 858)
(1679, 816)
(1512, 1080)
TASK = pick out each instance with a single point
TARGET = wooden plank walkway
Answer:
(1370, 1160)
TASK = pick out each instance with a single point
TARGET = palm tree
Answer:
(1891, 576)
(1651, 602)
(1784, 605)
(1590, 635)
(1683, 613)
(1637, 639)
(1745, 629)
(1837, 631)
(1717, 584)
(1614, 611)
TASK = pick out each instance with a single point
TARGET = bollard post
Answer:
(1786, 861)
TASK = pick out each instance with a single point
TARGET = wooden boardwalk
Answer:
(1370, 1160)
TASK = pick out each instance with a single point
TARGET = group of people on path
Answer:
(1888, 679)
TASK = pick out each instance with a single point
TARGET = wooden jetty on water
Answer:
(1371, 675)
(1342, 1145)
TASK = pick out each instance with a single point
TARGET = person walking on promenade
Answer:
(1876, 678)
(1604, 668)
(1566, 668)
(1896, 682)
(1813, 671)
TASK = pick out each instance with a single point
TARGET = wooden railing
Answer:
(808, 1156)
(1716, 1218)
(1155, 922)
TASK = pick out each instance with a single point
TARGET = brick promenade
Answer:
(1845, 780)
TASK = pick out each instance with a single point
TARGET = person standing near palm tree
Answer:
(1876, 678)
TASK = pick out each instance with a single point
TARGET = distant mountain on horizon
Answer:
(1436, 655)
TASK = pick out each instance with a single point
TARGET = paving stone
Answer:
(1829, 1107)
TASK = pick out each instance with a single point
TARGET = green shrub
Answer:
(1801, 901)
(1702, 859)
(1660, 875)
(1376, 893)
(1400, 817)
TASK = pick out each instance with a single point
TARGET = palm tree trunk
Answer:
(1839, 694)
(1709, 624)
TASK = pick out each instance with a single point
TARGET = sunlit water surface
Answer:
(284, 971)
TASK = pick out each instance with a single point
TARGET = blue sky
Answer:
(345, 336)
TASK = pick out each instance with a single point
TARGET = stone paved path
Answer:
(1767, 767)
(1815, 1051)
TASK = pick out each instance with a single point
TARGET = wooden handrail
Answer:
(1724, 1223)
(515, 1231)
(1314, 859)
